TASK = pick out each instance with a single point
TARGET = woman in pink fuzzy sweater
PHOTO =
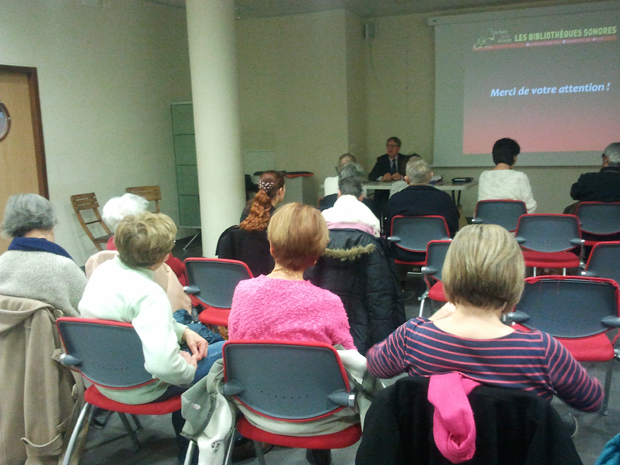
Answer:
(282, 305)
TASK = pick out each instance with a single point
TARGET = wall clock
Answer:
(5, 121)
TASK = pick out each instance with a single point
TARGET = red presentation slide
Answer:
(555, 90)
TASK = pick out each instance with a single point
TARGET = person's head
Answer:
(484, 268)
(351, 170)
(505, 151)
(145, 239)
(392, 146)
(270, 193)
(297, 236)
(344, 159)
(118, 208)
(418, 171)
(351, 186)
(27, 212)
(611, 155)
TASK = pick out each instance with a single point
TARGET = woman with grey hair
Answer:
(35, 267)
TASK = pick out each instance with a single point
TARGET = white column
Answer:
(213, 66)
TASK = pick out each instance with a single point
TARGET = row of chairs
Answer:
(88, 202)
(255, 376)
(548, 240)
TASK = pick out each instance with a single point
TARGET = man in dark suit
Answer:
(390, 166)
(420, 199)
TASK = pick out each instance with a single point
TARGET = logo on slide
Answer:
(493, 37)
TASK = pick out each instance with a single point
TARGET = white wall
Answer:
(293, 89)
(106, 78)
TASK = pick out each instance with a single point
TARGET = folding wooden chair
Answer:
(82, 202)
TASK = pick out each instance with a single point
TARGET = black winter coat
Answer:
(358, 268)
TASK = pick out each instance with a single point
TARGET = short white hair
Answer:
(612, 152)
(118, 208)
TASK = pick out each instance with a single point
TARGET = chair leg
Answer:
(258, 447)
(422, 306)
(136, 420)
(85, 413)
(534, 271)
(130, 431)
(231, 444)
(190, 452)
(608, 376)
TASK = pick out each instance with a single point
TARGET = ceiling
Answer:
(363, 8)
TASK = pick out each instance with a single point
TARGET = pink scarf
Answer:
(454, 429)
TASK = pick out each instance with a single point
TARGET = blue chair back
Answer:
(415, 232)
(108, 353)
(567, 306)
(599, 218)
(504, 213)
(213, 281)
(604, 261)
(282, 380)
(548, 233)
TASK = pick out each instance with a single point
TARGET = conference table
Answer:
(455, 189)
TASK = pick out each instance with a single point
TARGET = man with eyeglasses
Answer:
(390, 166)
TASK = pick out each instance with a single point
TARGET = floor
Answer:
(111, 445)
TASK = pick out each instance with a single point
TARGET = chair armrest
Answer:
(191, 290)
(428, 270)
(477, 221)
(233, 388)
(611, 321)
(592, 274)
(393, 238)
(517, 317)
(343, 398)
(69, 360)
(520, 239)
(577, 241)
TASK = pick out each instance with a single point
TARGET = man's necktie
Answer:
(393, 167)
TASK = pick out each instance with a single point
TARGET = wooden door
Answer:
(22, 160)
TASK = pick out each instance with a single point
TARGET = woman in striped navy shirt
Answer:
(483, 278)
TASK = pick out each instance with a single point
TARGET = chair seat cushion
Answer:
(214, 316)
(338, 440)
(550, 259)
(93, 396)
(436, 292)
(597, 348)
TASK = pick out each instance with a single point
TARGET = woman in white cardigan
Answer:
(502, 182)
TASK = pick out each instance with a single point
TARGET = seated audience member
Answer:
(420, 199)
(247, 242)
(349, 211)
(34, 266)
(123, 289)
(118, 208)
(603, 186)
(350, 170)
(502, 182)
(298, 236)
(258, 211)
(39, 282)
(330, 186)
(483, 279)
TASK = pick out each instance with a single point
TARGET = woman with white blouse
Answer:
(502, 182)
